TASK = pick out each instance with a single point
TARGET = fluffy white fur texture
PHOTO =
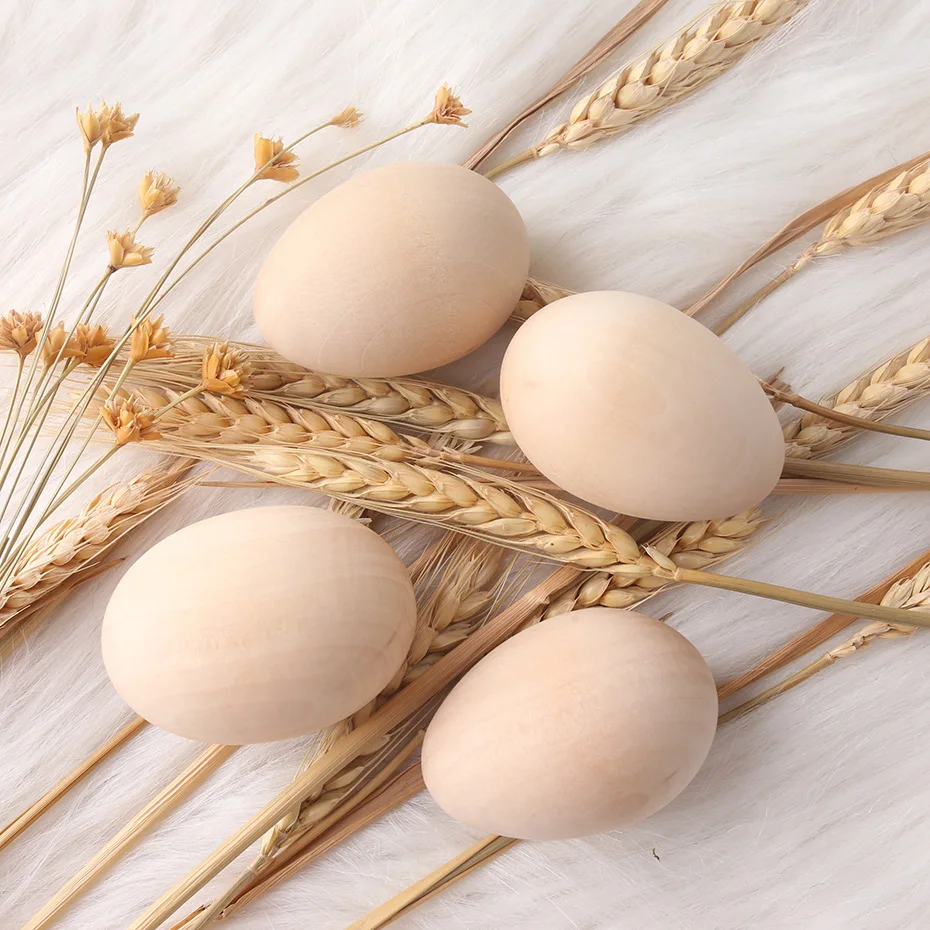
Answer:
(811, 813)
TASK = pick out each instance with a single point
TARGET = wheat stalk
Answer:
(405, 402)
(878, 393)
(78, 543)
(692, 58)
(890, 207)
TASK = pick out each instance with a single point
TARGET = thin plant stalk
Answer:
(197, 772)
(36, 810)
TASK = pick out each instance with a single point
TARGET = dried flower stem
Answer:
(13, 829)
(669, 73)
(197, 772)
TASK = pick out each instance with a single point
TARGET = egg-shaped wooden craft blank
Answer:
(629, 404)
(259, 625)
(587, 722)
(397, 270)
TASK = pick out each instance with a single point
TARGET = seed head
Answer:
(129, 422)
(58, 346)
(448, 108)
(349, 117)
(157, 192)
(225, 370)
(272, 162)
(118, 125)
(150, 339)
(19, 332)
(91, 344)
(125, 252)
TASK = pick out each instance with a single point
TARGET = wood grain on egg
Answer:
(629, 404)
(259, 625)
(589, 721)
(397, 270)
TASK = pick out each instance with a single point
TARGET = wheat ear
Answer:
(692, 58)
(881, 392)
(77, 543)
(404, 402)
(890, 207)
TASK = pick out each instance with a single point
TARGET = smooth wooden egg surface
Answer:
(397, 270)
(259, 625)
(627, 403)
(586, 722)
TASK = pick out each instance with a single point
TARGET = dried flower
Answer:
(128, 421)
(19, 332)
(91, 123)
(58, 346)
(272, 162)
(117, 125)
(91, 344)
(349, 117)
(156, 192)
(448, 108)
(150, 339)
(125, 252)
(225, 370)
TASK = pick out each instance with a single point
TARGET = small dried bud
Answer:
(91, 123)
(125, 252)
(116, 124)
(349, 117)
(156, 192)
(129, 422)
(225, 370)
(19, 332)
(448, 108)
(150, 339)
(272, 162)
(58, 346)
(91, 344)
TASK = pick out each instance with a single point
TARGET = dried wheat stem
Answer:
(910, 593)
(667, 74)
(858, 474)
(831, 414)
(819, 633)
(13, 829)
(437, 881)
(879, 393)
(756, 298)
(203, 766)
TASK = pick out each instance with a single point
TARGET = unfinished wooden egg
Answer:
(629, 404)
(259, 625)
(587, 722)
(397, 270)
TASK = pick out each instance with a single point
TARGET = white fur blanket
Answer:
(813, 812)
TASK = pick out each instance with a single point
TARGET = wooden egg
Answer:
(259, 625)
(633, 406)
(587, 722)
(400, 269)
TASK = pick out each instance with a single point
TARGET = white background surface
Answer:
(813, 812)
